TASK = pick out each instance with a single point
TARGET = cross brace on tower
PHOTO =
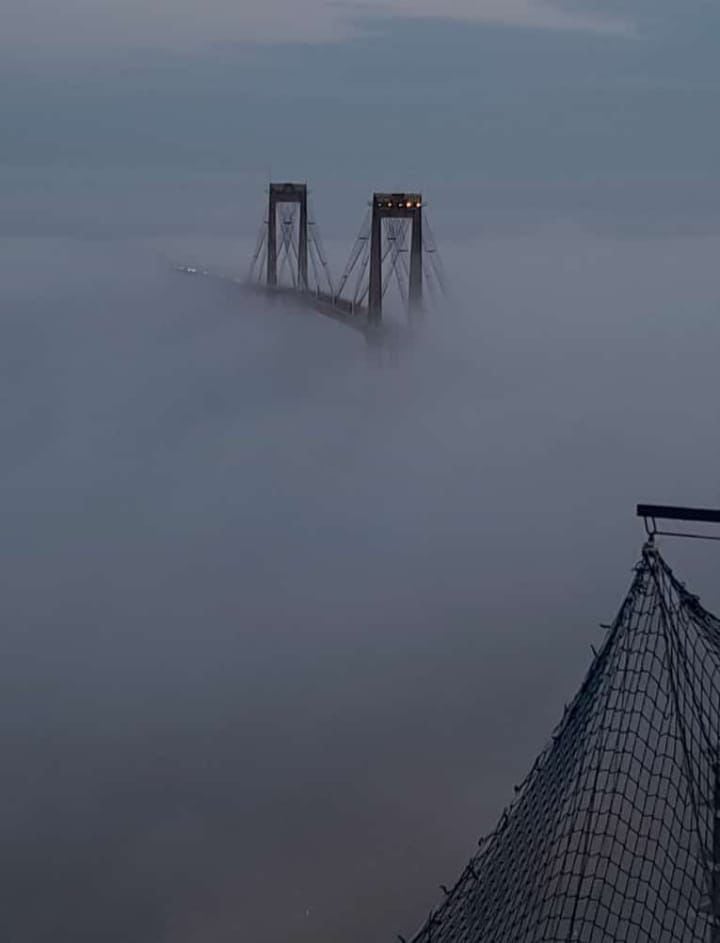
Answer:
(395, 206)
(280, 193)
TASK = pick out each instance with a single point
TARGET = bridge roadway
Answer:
(337, 309)
(330, 306)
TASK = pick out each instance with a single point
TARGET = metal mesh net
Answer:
(614, 834)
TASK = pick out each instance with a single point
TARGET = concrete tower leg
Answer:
(272, 239)
(375, 293)
(416, 263)
(303, 243)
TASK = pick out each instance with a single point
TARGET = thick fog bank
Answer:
(284, 625)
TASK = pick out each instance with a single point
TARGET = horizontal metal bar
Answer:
(671, 513)
(679, 533)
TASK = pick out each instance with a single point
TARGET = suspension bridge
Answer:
(614, 835)
(394, 247)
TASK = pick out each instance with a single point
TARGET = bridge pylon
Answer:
(395, 206)
(279, 194)
(395, 243)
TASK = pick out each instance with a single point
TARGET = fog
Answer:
(285, 624)
(285, 621)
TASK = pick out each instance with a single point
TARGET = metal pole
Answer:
(667, 512)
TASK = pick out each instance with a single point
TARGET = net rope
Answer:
(614, 834)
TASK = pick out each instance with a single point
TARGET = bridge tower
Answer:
(279, 194)
(395, 226)
(395, 206)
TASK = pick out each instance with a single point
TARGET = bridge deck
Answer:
(337, 309)
(330, 306)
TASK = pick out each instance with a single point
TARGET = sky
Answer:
(284, 625)
(183, 24)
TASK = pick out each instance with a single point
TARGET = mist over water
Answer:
(284, 624)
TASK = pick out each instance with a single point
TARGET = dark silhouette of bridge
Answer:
(394, 246)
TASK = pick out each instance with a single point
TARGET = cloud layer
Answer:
(41, 25)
